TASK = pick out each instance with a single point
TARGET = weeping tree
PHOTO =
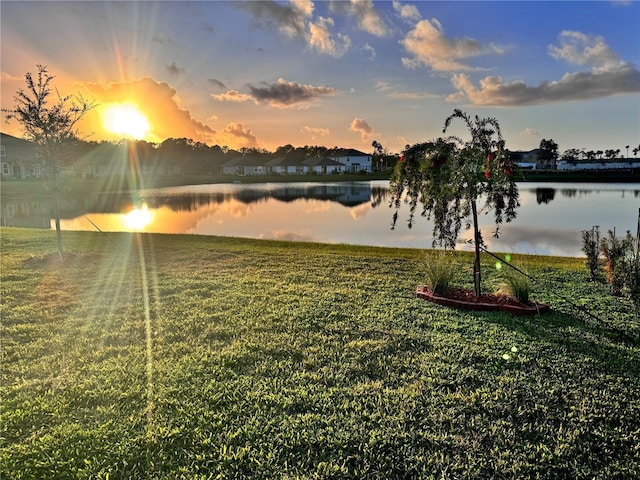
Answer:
(50, 125)
(450, 176)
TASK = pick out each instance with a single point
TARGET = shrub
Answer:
(516, 285)
(617, 253)
(440, 270)
(590, 246)
(632, 280)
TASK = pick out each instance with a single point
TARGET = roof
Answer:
(286, 161)
(350, 152)
(244, 161)
(14, 141)
(316, 161)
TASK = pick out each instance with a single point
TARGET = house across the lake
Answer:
(296, 163)
(19, 159)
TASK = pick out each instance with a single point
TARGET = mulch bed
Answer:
(466, 300)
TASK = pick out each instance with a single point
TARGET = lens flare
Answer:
(138, 218)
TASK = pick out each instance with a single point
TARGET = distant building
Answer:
(297, 163)
(526, 160)
(353, 160)
(244, 165)
(19, 159)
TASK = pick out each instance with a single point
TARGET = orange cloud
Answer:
(157, 101)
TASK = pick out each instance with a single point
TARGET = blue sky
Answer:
(265, 74)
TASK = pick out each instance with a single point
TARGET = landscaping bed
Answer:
(467, 300)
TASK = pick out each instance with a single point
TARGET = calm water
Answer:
(549, 220)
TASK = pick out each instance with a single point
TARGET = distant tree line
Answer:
(577, 155)
(193, 158)
(548, 154)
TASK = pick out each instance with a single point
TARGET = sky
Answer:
(270, 73)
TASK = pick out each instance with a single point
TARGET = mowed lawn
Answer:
(167, 357)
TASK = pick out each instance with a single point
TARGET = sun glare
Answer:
(138, 218)
(126, 120)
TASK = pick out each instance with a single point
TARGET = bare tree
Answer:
(49, 125)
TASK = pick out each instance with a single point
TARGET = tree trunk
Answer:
(56, 208)
(477, 277)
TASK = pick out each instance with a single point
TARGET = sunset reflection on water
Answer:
(547, 224)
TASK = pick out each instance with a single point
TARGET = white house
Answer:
(286, 165)
(323, 165)
(353, 160)
(244, 165)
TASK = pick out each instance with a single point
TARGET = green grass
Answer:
(168, 356)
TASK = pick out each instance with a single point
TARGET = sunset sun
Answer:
(138, 218)
(125, 120)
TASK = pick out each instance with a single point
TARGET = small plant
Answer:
(632, 280)
(516, 285)
(616, 253)
(440, 270)
(590, 246)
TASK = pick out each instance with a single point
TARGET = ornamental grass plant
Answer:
(440, 269)
(516, 285)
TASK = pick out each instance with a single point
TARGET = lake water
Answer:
(549, 221)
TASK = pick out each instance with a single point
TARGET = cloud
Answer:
(236, 135)
(316, 132)
(429, 47)
(608, 76)
(581, 49)
(321, 40)
(295, 20)
(173, 69)
(571, 87)
(157, 101)
(361, 126)
(288, 19)
(383, 86)
(284, 94)
(216, 83)
(365, 15)
(412, 95)
(5, 76)
(368, 51)
(233, 96)
(529, 132)
(407, 12)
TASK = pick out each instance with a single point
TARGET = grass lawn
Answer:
(168, 356)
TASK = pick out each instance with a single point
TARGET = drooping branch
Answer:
(449, 176)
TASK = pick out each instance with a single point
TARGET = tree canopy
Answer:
(448, 176)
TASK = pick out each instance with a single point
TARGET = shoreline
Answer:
(34, 187)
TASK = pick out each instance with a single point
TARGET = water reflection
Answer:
(549, 221)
